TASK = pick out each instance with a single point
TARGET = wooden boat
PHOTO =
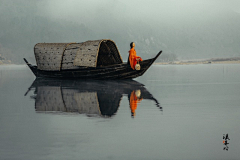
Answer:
(99, 59)
(91, 97)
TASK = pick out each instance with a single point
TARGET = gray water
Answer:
(184, 114)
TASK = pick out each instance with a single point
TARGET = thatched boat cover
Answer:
(62, 56)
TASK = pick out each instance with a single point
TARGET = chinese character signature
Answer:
(225, 141)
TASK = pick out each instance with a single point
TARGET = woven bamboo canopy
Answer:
(63, 56)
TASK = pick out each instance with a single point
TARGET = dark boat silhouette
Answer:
(99, 59)
(92, 98)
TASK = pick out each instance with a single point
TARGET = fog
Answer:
(187, 29)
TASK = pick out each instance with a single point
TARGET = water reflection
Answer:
(87, 97)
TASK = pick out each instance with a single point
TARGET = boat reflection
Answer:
(87, 97)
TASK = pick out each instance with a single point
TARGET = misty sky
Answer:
(150, 11)
(155, 18)
(186, 29)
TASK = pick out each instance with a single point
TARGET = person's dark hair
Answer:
(131, 45)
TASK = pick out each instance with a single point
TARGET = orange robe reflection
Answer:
(133, 58)
(134, 102)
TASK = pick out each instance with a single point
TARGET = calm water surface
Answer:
(183, 113)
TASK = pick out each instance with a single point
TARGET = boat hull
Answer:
(118, 71)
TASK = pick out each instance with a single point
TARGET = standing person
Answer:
(133, 58)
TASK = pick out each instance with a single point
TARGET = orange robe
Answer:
(132, 58)
(134, 102)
